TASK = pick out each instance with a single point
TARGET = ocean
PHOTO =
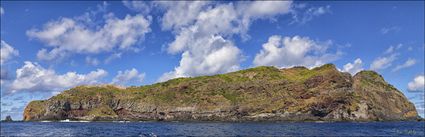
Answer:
(149, 129)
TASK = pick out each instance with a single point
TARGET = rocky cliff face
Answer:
(257, 94)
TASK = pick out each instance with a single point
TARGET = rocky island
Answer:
(257, 94)
(8, 119)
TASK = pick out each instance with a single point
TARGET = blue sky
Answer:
(48, 47)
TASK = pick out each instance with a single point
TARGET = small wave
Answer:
(147, 135)
(121, 121)
(67, 120)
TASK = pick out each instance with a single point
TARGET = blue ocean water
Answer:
(212, 129)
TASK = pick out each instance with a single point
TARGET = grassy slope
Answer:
(254, 88)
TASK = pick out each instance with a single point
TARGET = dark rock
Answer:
(8, 119)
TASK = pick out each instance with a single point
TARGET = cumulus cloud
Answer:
(260, 10)
(295, 51)
(180, 14)
(203, 29)
(354, 67)
(7, 52)
(33, 77)
(218, 56)
(264, 9)
(417, 84)
(128, 76)
(409, 62)
(139, 6)
(383, 62)
(67, 35)
(1, 11)
(208, 24)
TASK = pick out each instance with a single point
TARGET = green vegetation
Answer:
(372, 80)
(301, 74)
(232, 97)
(37, 106)
(102, 111)
(185, 91)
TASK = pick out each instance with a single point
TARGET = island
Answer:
(257, 94)
(7, 119)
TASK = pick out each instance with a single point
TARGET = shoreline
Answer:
(191, 121)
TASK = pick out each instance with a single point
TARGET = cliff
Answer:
(256, 94)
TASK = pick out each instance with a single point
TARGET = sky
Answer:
(48, 47)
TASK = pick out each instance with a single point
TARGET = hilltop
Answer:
(256, 94)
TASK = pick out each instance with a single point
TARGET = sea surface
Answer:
(211, 129)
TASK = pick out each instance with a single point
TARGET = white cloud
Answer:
(1, 11)
(92, 61)
(203, 31)
(353, 68)
(112, 57)
(4, 77)
(128, 76)
(383, 62)
(389, 50)
(261, 10)
(139, 6)
(295, 51)
(409, 62)
(217, 56)
(180, 14)
(389, 56)
(33, 77)
(303, 14)
(7, 52)
(387, 30)
(68, 35)
(54, 54)
(209, 23)
(392, 49)
(417, 84)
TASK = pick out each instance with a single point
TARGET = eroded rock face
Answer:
(257, 94)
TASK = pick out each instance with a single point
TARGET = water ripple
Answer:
(153, 129)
